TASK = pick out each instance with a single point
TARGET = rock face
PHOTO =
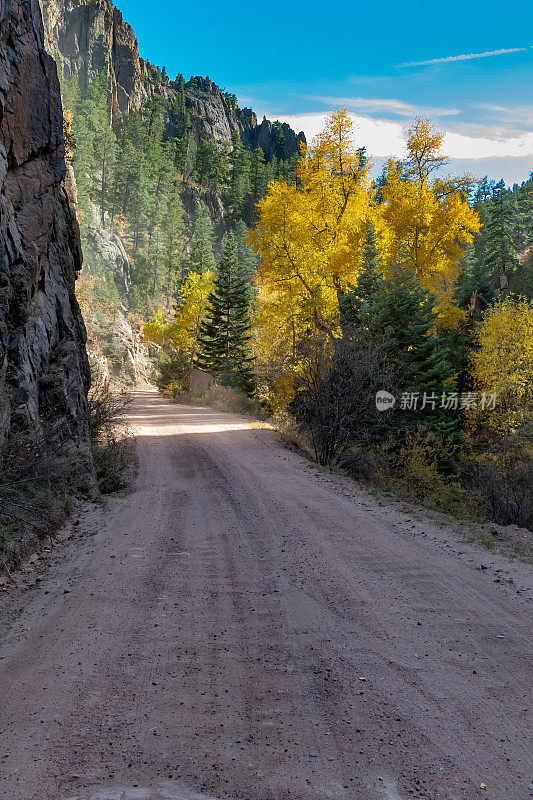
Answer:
(108, 248)
(86, 36)
(44, 372)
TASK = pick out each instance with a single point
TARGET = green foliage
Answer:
(354, 302)
(401, 315)
(506, 233)
(246, 257)
(239, 175)
(95, 151)
(170, 371)
(501, 249)
(201, 256)
(224, 337)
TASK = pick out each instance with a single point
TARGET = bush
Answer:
(110, 445)
(417, 474)
(35, 491)
(170, 373)
(502, 475)
(334, 404)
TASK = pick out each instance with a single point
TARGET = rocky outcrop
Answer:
(214, 115)
(107, 248)
(87, 36)
(44, 372)
(192, 196)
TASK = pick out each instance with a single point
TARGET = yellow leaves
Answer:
(424, 146)
(68, 136)
(87, 286)
(504, 362)
(428, 219)
(180, 333)
(309, 236)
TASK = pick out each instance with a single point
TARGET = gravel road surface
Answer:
(239, 625)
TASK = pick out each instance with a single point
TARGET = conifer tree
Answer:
(501, 251)
(401, 316)
(223, 342)
(239, 161)
(258, 177)
(205, 161)
(96, 147)
(173, 232)
(358, 297)
(247, 259)
(201, 256)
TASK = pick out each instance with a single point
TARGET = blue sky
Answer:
(296, 61)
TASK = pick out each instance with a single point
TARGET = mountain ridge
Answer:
(86, 36)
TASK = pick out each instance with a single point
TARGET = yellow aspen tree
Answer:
(309, 236)
(179, 334)
(503, 365)
(427, 217)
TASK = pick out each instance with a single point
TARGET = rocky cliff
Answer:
(86, 36)
(44, 373)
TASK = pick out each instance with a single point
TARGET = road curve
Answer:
(241, 626)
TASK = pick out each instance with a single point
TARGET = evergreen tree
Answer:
(239, 162)
(201, 257)
(70, 94)
(474, 277)
(501, 251)
(223, 342)
(219, 169)
(173, 230)
(96, 147)
(258, 182)
(353, 302)
(401, 317)
(247, 259)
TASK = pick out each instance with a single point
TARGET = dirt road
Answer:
(242, 626)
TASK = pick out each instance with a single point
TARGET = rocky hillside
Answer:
(44, 372)
(86, 35)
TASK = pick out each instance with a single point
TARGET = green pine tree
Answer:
(201, 257)
(239, 186)
(354, 301)
(223, 346)
(247, 259)
(501, 250)
(401, 317)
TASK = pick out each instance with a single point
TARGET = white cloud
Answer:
(387, 106)
(384, 138)
(517, 115)
(464, 57)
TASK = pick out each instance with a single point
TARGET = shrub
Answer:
(335, 397)
(170, 373)
(110, 445)
(410, 466)
(502, 475)
(35, 491)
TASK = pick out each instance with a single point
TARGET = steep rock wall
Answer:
(44, 373)
(86, 36)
